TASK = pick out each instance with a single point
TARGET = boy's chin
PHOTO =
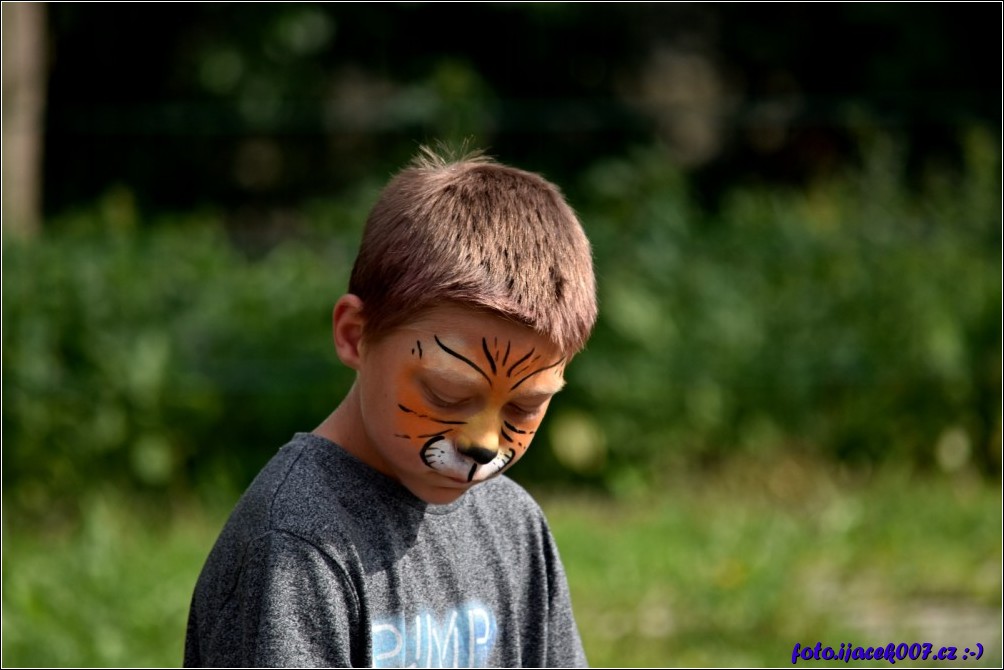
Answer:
(441, 494)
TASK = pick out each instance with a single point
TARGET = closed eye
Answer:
(524, 412)
(442, 402)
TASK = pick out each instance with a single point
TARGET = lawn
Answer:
(734, 569)
(724, 569)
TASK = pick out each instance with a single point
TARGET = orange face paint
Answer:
(457, 397)
(464, 409)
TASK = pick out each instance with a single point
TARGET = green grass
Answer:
(113, 592)
(734, 569)
(722, 570)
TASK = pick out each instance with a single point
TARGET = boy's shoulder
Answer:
(312, 485)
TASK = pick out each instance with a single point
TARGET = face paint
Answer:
(474, 456)
(455, 398)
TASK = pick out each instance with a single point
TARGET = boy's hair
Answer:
(479, 233)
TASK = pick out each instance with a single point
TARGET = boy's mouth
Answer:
(441, 455)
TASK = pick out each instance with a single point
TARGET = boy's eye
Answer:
(524, 412)
(439, 400)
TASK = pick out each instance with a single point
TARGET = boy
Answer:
(387, 537)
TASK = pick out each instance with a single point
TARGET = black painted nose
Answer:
(479, 454)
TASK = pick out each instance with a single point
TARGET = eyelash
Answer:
(516, 411)
(441, 403)
(523, 413)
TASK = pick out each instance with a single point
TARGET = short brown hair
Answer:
(479, 233)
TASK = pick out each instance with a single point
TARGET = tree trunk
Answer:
(23, 103)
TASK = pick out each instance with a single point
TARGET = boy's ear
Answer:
(347, 324)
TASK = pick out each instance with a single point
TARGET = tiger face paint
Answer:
(455, 398)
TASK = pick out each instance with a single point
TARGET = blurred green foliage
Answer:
(734, 568)
(160, 359)
(727, 570)
(857, 320)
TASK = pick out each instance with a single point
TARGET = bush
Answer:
(161, 359)
(858, 319)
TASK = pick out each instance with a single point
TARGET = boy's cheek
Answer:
(406, 405)
(523, 432)
(409, 413)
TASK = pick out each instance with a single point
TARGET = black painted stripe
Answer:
(537, 372)
(463, 358)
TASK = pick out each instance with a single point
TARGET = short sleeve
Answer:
(292, 605)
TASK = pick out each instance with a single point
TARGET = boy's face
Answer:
(454, 398)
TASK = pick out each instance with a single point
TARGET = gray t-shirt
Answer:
(327, 562)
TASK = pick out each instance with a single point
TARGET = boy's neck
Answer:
(344, 427)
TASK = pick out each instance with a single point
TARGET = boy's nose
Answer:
(480, 453)
(479, 439)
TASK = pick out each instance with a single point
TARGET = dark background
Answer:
(198, 103)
